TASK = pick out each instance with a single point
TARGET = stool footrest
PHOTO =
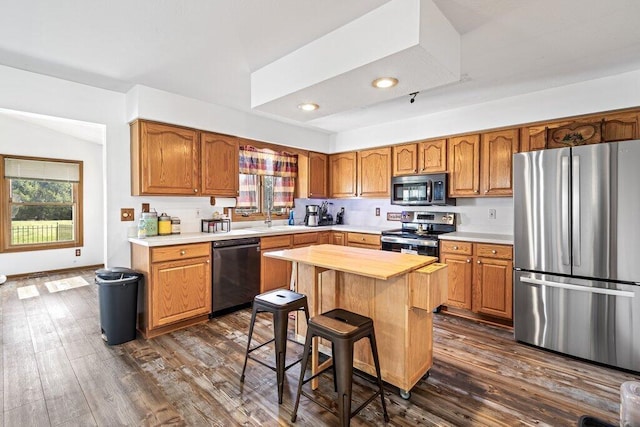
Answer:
(261, 345)
(273, 368)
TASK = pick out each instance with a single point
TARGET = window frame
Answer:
(5, 214)
(260, 215)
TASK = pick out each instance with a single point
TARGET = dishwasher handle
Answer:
(251, 245)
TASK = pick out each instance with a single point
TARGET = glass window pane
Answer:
(41, 224)
(31, 190)
(248, 199)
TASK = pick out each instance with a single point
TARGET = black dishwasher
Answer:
(235, 274)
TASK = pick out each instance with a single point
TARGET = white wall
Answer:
(609, 93)
(472, 214)
(24, 138)
(39, 94)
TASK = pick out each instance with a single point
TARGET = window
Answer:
(41, 204)
(267, 181)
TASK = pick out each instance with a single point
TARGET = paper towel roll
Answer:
(630, 404)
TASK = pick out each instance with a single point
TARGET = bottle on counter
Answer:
(291, 220)
(142, 229)
(164, 225)
(175, 225)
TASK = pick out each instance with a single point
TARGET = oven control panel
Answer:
(429, 217)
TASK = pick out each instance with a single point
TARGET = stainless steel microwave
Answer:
(420, 190)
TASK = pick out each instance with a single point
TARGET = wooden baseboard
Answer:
(48, 272)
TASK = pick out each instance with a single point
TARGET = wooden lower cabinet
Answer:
(274, 273)
(480, 277)
(363, 240)
(338, 238)
(176, 291)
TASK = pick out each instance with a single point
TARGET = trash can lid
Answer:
(117, 273)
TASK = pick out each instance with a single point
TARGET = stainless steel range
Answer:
(419, 233)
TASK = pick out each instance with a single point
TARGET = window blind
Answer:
(41, 169)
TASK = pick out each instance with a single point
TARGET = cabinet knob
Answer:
(363, 239)
(479, 262)
(415, 170)
(195, 190)
(311, 194)
(207, 261)
(455, 248)
(486, 191)
(494, 251)
(468, 260)
(183, 252)
(475, 191)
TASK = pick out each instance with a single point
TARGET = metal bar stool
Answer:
(279, 303)
(343, 328)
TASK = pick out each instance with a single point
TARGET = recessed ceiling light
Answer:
(384, 82)
(309, 106)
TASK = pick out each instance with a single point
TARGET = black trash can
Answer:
(118, 298)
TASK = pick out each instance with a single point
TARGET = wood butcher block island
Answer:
(398, 291)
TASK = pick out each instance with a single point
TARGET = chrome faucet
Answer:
(268, 220)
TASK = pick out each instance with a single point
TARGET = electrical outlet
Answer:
(377, 211)
(492, 214)
(77, 252)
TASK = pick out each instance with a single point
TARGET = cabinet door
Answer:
(405, 159)
(274, 273)
(463, 158)
(342, 175)
(165, 159)
(568, 134)
(337, 238)
(324, 238)
(432, 156)
(318, 175)
(460, 277)
(533, 138)
(374, 173)
(180, 290)
(620, 127)
(497, 162)
(219, 164)
(493, 287)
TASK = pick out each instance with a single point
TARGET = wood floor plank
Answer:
(63, 395)
(21, 377)
(30, 414)
(43, 332)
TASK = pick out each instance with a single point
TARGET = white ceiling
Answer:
(207, 49)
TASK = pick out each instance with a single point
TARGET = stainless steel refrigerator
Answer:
(577, 251)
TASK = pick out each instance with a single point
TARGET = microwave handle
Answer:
(429, 190)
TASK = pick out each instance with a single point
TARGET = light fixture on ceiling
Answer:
(308, 106)
(384, 82)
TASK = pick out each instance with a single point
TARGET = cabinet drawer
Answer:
(494, 251)
(305, 239)
(363, 239)
(275, 242)
(168, 253)
(454, 247)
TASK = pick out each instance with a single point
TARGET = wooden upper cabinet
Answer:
(568, 134)
(219, 164)
(497, 162)
(533, 138)
(463, 159)
(342, 175)
(318, 169)
(374, 172)
(405, 159)
(432, 156)
(165, 159)
(620, 127)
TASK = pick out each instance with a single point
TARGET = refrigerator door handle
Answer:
(569, 286)
(575, 211)
(564, 210)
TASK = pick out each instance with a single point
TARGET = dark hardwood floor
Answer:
(57, 370)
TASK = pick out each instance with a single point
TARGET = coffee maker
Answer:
(311, 218)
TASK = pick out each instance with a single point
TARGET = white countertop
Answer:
(499, 239)
(197, 237)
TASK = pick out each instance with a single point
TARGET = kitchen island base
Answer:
(401, 307)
